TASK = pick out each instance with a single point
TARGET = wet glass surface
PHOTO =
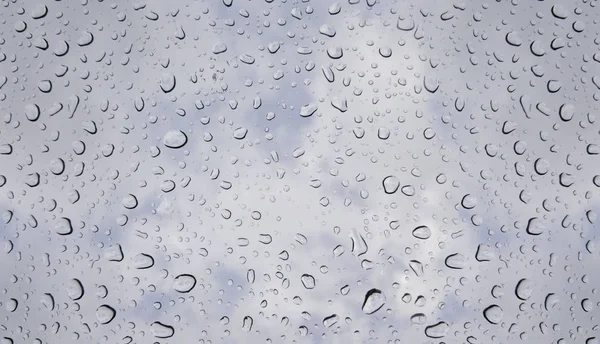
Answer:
(351, 171)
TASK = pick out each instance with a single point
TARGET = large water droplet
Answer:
(456, 261)
(63, 226)
(493, 314)
(143, 261)
(74, 289)
(308, 281)
(175, 139)
(105, 314)
(114, 253)
(184, 283)
(390, 184)
(438, 330)
(422, 232)
(160, 330)
(524, 289)
(374, 300)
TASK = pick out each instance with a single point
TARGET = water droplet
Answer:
(327, 30)
(12, 305)
(175, 139)
(524, 289)
(422, 232)
(514, 39)
(331, 320)
(167, 82)
(385, 52)
(535, 226)
(48, 301)
(105, 314)
(63, 226)
(418, 319)
(374, 301)
(143, 261)
(484, 253)
(308, 281)
(587, 305)
(469, 201)
(160, 330)
(247, 323)
(39, 11)
(86, 38)
(390, 184)
(129, 201)
(32, 112)
(493, 314)
(308, 110)
(219, 48)
(114, 253)
(74, 289)
(551, 301)
(559, 12)
(438, 330)
(240, 133)
(184, 283)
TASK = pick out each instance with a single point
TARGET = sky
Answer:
(213, 171)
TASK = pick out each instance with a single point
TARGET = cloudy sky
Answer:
(280, 171)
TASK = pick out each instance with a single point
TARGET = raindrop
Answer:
(559, 12)
(327, 30)
(114, 253)
(86, 38)
(535, 226)
(219, 48)
(247, 323)
(374, 300)
(74, 289)
(334, 8)
(308, 281)
(390, 184)
(184, 283)
(167, 82)
(105, 314)
(47, 301)
(308, 110)
(32, 112)
(63, 226)
(484, 253)
(385, 52)
(12, 305)
(130, 201)
(331, 320)
(438, 330)
(418, 319)
(431, 83)
(493, 314)
(175, 139)
(160, 330)
(61, 48)
(143, 261)
(39, 11)
(422, 232)
(566, 112)
(456, 261)
(45, 86)
(524, 289)
(240, 133)
(513, 39)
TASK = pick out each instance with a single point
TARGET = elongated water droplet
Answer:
(374, 300)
